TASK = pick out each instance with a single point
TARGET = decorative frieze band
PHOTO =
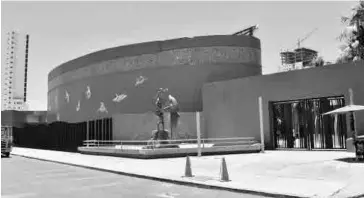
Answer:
(187, 56)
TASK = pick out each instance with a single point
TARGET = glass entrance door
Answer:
(300, 124)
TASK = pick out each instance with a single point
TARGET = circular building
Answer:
(124, 80)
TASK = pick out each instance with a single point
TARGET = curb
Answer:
(185, 183)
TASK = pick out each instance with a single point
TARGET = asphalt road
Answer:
(28, 178)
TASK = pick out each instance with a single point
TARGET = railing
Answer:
(181, 143)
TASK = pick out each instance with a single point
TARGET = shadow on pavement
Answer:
(358, 196)
(350, 160)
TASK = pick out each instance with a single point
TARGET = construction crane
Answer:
(299, 41)
(298, 55)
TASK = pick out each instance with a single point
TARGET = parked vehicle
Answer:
(6, 140)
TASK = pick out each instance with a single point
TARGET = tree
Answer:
(353, 35)
(318, 62)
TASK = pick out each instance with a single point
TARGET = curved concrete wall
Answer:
(87, 87)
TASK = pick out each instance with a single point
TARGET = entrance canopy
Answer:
(346, 109)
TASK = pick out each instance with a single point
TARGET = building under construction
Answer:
(298, 59)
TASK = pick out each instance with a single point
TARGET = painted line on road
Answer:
(44, 172)
(48, 175)
(19, 195)
(88, 178)
(67, 179)
(179, 182)
(167, 195)
(168, 185)
(88, 187)
(73, 177)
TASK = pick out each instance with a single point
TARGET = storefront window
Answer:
(300, 124)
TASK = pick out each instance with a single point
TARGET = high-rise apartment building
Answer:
(14, 70)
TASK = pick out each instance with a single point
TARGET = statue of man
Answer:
(173, 108)
(159, 103)
(168, 103)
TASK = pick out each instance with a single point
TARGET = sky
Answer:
(62, 31)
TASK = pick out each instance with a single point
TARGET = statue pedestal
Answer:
(160, 135)
(160, 139)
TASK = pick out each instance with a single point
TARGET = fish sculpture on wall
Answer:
(78, 105)
(140, 80)
(102, 108)
(88, 92)
(67, 97)
(119, 98)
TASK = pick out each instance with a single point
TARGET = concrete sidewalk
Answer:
(291, 173)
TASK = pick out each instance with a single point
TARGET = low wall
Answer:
(169, 152)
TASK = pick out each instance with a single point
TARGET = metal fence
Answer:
(56, 136)
(62, 136)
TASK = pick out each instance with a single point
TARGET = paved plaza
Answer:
(293, 173)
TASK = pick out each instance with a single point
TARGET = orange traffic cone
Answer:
(224, 175)
(188, 171)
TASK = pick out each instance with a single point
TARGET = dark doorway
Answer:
(300, 124)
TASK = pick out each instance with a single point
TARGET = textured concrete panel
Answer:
(155, 47)
(172, 58)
